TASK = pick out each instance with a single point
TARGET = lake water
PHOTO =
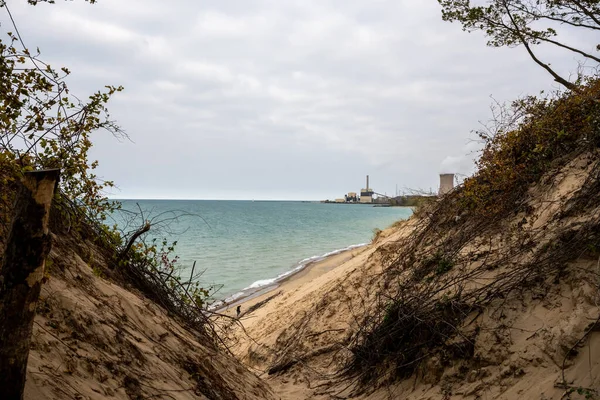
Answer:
(244, 245)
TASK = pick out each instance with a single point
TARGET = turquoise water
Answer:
(245, 245)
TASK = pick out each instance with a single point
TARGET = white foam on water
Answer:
(261, 283)
(269, 282)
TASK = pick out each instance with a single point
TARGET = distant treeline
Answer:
(410, 201)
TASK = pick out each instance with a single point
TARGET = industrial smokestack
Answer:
(367, 182)
(446, 183)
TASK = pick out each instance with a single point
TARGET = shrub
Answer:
(549, 129)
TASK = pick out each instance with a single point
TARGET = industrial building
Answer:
(366, 195)
(369, 196)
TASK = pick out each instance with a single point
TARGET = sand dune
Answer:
(93, 339)
(299, 340)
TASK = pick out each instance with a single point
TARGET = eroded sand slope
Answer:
(93, 339)
(541, 342)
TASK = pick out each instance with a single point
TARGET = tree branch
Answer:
(518, 32)
(540, 15)
(587, 12)
(564, 46)
(132, 240)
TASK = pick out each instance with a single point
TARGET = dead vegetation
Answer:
(492, 288)
(512, 231)
(126, 330)
(146, 268)
(94, 339)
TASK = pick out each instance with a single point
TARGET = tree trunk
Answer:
(21, 277)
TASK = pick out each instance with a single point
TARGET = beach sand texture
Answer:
(94, 339)
(308, 313)
(297, 341)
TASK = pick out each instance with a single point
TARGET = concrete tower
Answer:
(446, 183)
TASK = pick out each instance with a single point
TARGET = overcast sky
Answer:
(280, 99)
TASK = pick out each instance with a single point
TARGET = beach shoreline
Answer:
(311, 270)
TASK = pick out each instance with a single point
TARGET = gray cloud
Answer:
(273, 99)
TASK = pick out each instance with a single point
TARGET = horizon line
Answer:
(196, 199)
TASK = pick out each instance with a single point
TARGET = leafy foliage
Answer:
(486, 242)
(158, 259)
(44, 126)
(511, 160)
(586, 393)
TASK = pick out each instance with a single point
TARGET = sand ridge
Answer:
(522, 346)
(310, 315)
(93, 339)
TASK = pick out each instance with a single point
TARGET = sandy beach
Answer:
(312, 309)
(306, 333)
(297, 340)
(289, 284)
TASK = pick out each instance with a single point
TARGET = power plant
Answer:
(369, 196)
(366, 196)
